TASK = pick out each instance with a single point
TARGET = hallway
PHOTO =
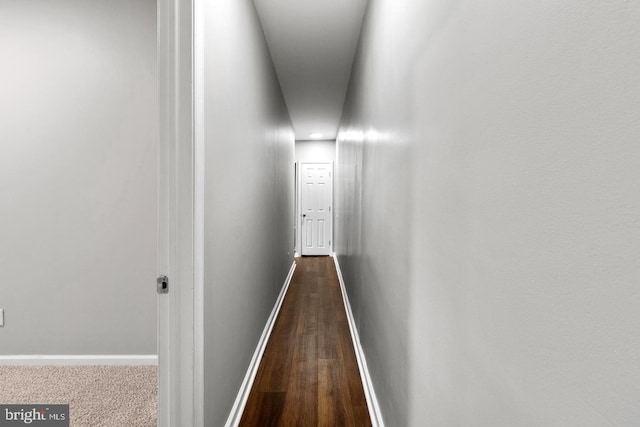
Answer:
(485, 218)
(308, 375)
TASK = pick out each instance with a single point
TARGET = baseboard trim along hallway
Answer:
(243, 394)
(80, 360)
(369, 392)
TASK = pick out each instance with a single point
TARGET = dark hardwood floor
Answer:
(309, 375)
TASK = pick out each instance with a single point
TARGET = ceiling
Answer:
(312, 44)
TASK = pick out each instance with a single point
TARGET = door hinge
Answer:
(163, 285)
(329, 208)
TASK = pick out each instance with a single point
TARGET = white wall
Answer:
(487, 211)
(78, 177)
(249, 168)
(311, 152)
(315, 151)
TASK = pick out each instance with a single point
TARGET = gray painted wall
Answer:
(78, 147)
(487, 211)
(249, 181)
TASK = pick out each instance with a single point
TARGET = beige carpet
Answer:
(105, 396)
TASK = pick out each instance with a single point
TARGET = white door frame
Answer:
(298, 216)
(181, 214)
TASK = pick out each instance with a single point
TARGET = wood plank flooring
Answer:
(309, 375)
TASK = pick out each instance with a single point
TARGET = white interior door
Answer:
(316, 194)
(181, 213)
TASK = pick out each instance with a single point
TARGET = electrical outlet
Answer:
(1, 316)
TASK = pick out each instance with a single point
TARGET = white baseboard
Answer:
(243, 394)
(80, 360)
(369, 392)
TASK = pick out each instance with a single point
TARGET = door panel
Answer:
(315, 208)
